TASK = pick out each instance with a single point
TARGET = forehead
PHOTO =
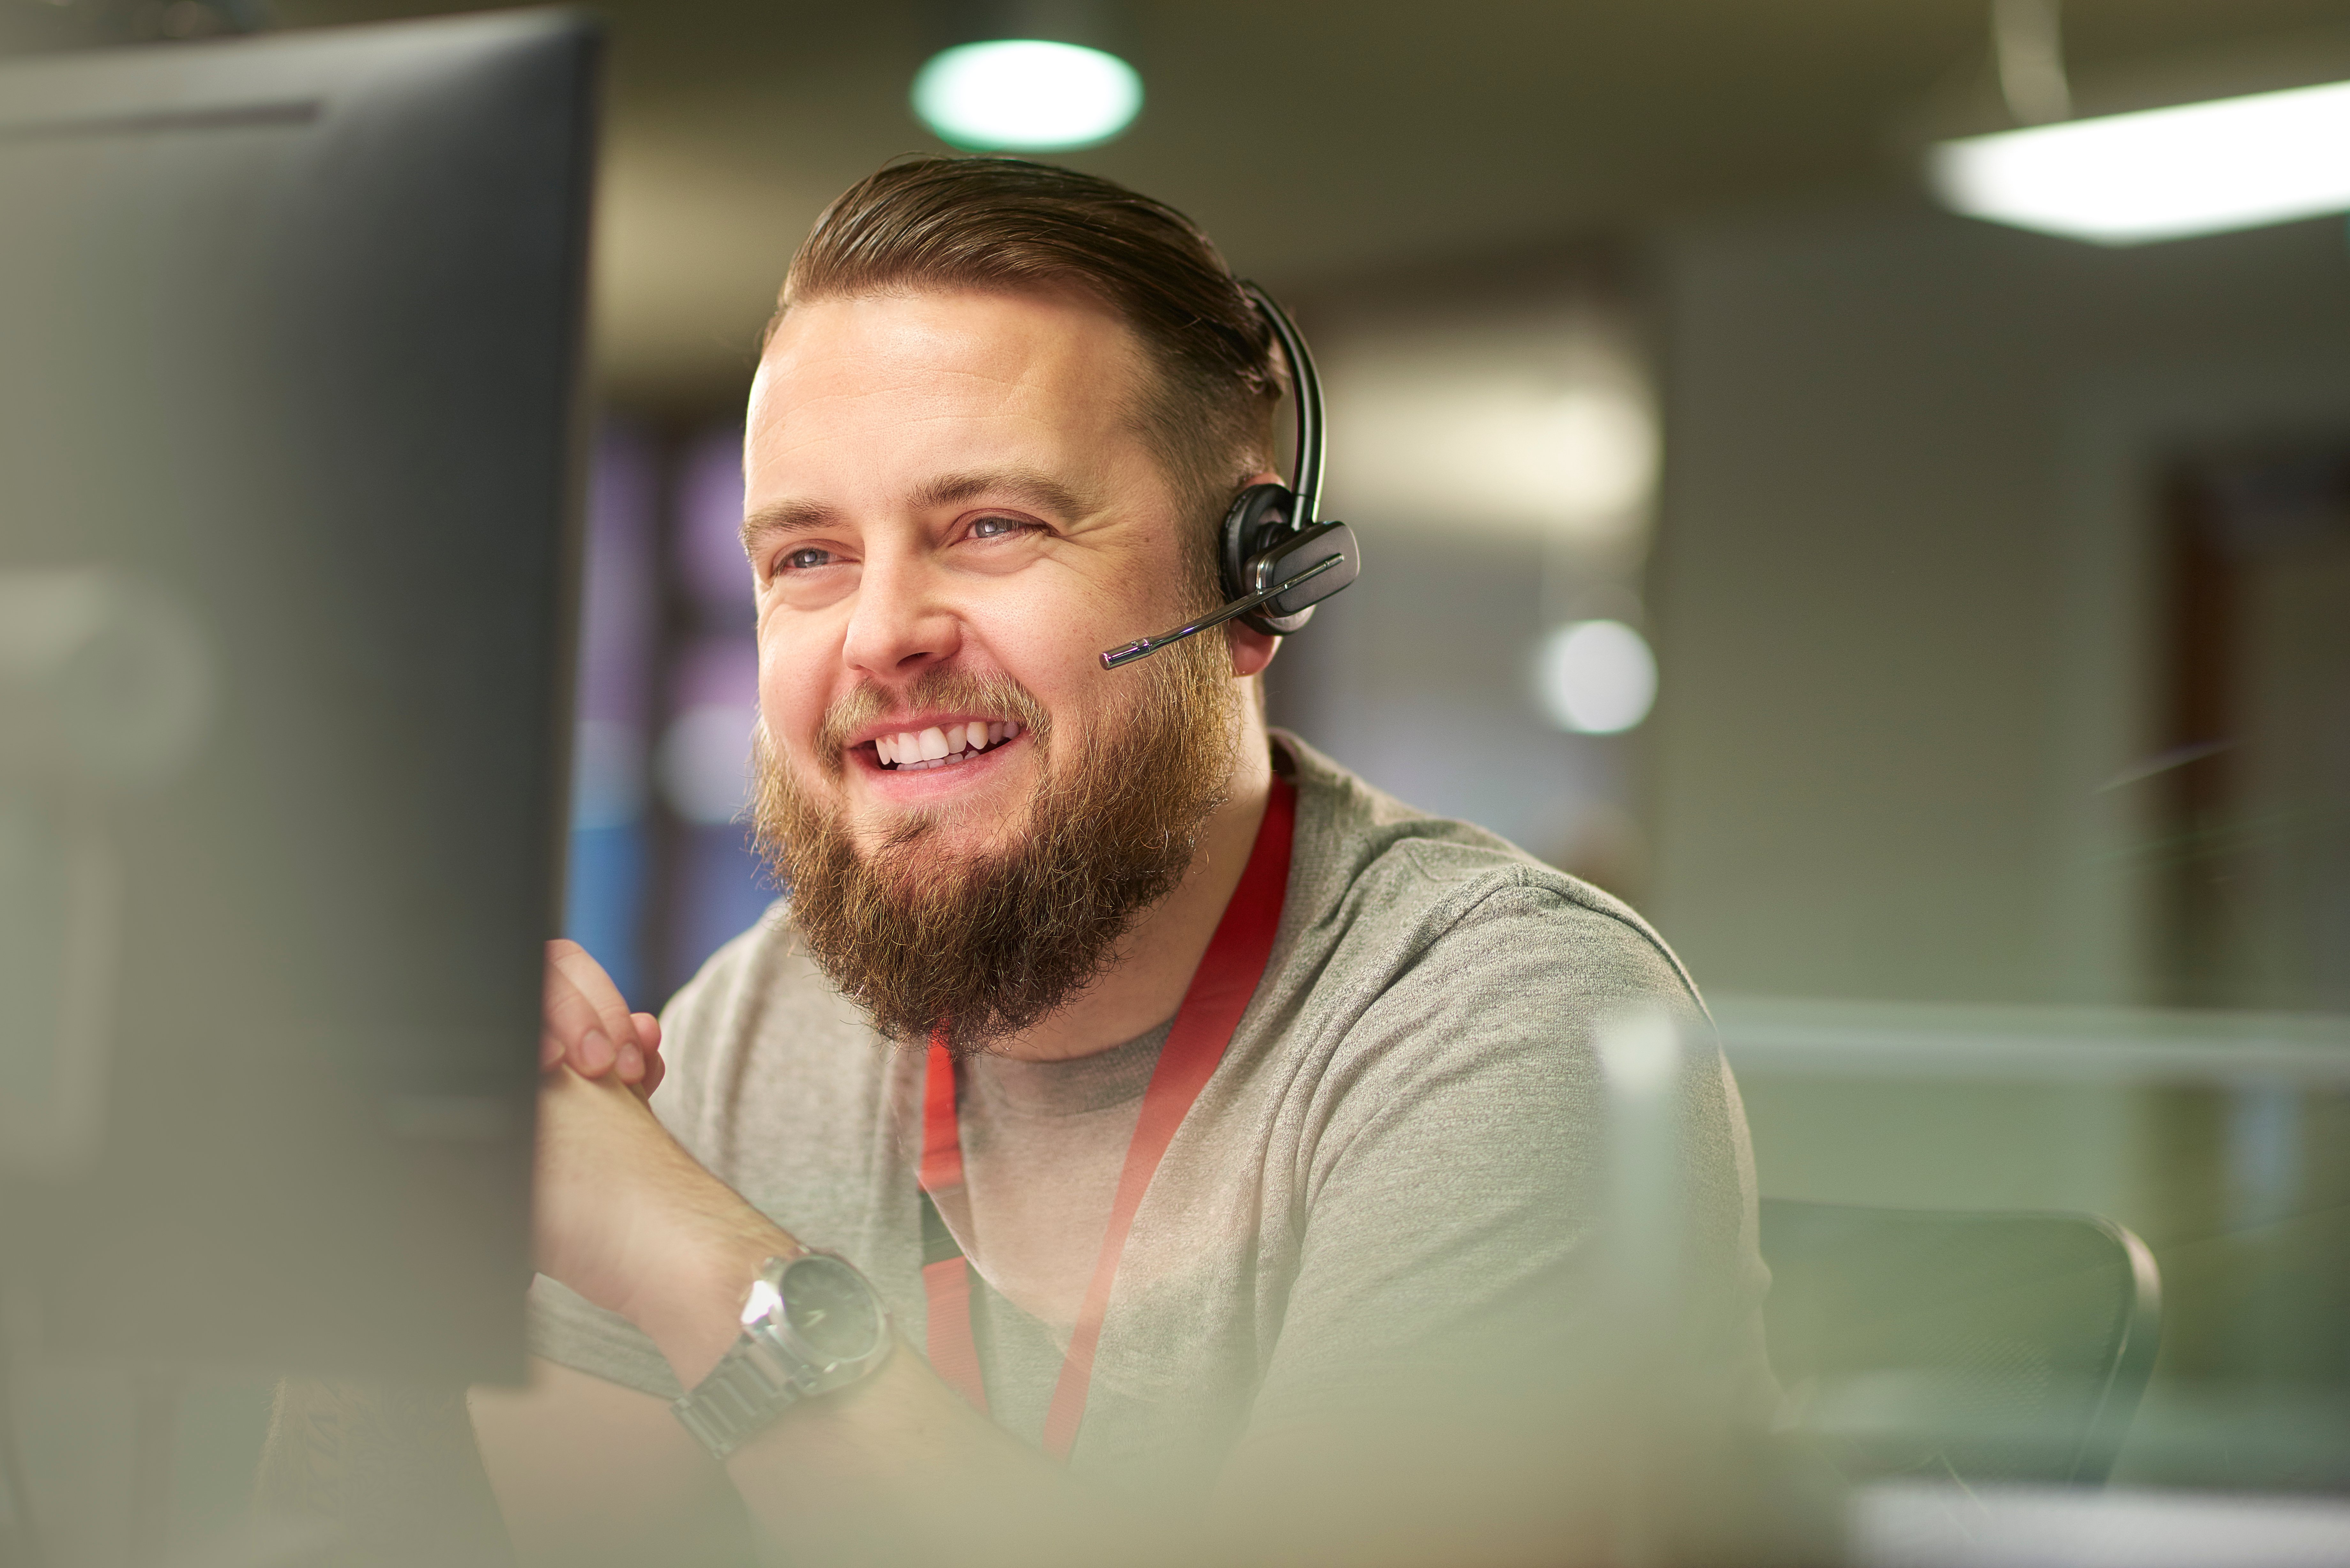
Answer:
(946, 377)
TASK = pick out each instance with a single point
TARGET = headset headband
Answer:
(1305, 393)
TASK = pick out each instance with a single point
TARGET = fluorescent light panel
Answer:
(2163, 174)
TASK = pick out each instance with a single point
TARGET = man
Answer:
(997, 422)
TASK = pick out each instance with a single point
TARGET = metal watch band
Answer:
(752, 1384)
(769, 1367)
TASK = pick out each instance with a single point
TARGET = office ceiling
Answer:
(1320, 140)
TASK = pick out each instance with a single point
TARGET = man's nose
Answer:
(901, 624)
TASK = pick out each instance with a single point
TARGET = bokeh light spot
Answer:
(1026, 95)
(1595, 677)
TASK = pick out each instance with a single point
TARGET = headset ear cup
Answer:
(1254, 511)
(1258, 516)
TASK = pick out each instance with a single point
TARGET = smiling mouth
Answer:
(914, 751)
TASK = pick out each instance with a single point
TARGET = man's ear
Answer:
(1252, 649)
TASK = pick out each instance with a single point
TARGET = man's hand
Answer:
(898, 1468)
(630, 1220)
(625, 1215)
(584, 1023)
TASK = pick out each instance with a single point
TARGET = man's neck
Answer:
(1145, 983)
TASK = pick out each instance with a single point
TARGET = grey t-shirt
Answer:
(1392, 1177)
(1044, 1144)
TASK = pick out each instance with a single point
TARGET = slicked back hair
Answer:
(933, 223)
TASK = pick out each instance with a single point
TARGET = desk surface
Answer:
(1923, 1525)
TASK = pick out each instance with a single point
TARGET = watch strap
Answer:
(753, 1383)
(764, 1372)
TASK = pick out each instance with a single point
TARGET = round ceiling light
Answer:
(1026, 95)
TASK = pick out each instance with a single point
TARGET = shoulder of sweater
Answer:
(1387, 856)
(761, 985)
(746, 959)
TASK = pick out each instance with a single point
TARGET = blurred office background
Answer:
(1938, 628)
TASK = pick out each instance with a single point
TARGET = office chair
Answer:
(1980, 1346)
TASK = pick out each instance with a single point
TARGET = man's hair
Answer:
(934, 222)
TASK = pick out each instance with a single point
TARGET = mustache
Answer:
(991, 693)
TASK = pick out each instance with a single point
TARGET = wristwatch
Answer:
(810, 1325)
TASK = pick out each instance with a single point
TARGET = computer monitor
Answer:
(290, 355)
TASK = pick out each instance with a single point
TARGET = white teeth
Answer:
(939, 745)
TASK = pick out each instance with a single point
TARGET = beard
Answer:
(968, 947)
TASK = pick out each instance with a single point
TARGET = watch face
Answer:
(829, 1307)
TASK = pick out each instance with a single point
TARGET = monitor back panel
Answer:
(288, 434)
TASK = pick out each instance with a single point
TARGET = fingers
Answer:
(648, 1040)
(587, 1024)
(585, 1021)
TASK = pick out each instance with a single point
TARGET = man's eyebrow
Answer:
(1024, 485)
(784, 517)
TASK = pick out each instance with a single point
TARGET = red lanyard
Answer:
(1218, 994)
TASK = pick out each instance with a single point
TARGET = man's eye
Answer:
(805, 560)
(998, 527)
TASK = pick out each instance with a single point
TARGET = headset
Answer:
(1276, 561)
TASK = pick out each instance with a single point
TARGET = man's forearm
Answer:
(900, 1469)
(898, 1466)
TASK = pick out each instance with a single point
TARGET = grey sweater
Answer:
(1388, 1192)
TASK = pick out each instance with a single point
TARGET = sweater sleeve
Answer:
(1451, 1194)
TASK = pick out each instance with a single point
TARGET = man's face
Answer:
(949, 516)
(950, 483)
